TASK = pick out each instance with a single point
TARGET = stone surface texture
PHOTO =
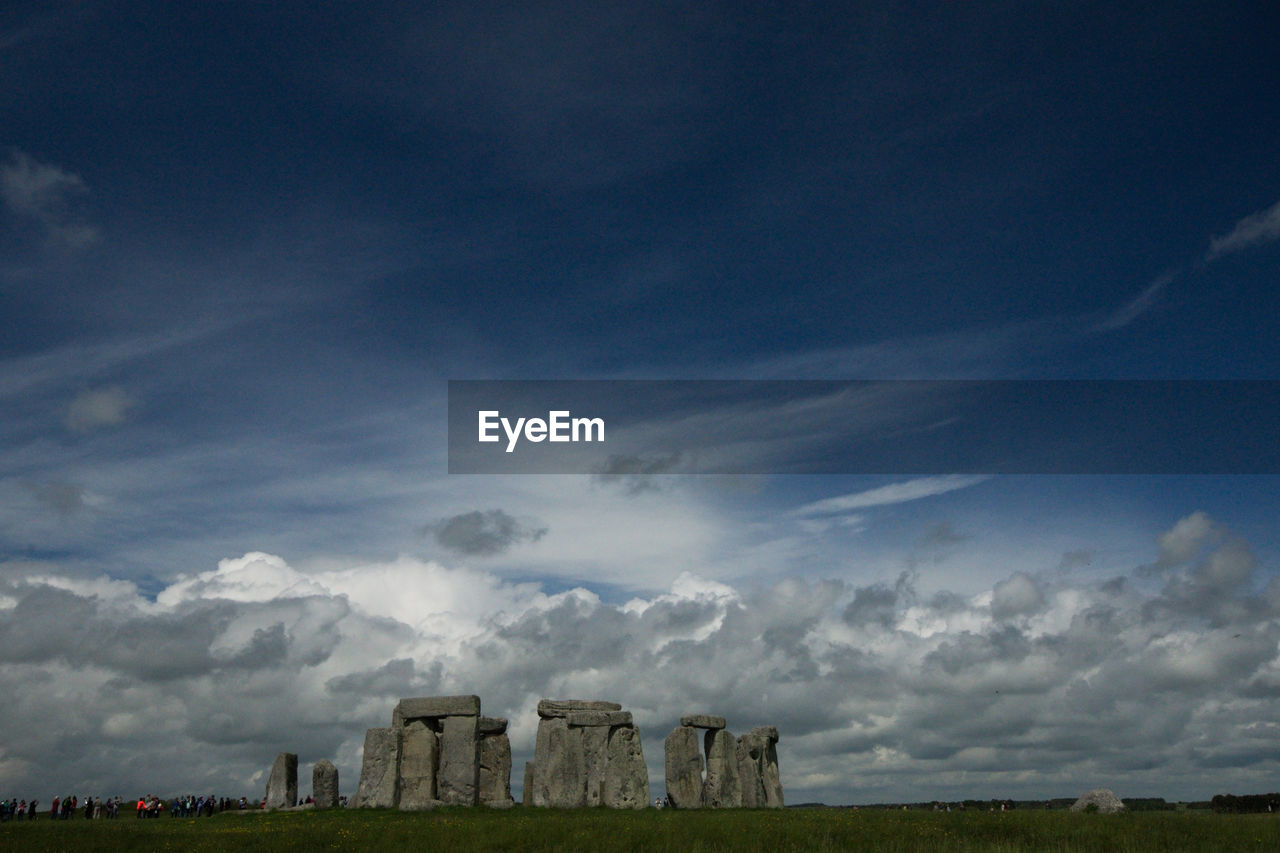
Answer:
(493, 725)
(437, 706)
(722, 788)
(703, 721)
(458, 777)
(380, 770)
(599, 718)
(1105, 801)
(562, 772)
(495, 770)
(626, 777)
(563, 707)
(751, 750)
(595, 754)
(684, 768)
(419, 757)
(282, 785)
(324, 784)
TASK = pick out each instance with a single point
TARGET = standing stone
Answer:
(458, 780)
(419, 755)
(526, 793)
(282, 786)
(559, 765)
(380, 770)
(770, 776)
(626, 777)
(684, 768)
(324, 784)
(751, 750)
(595, 753)
(723, 788)
(495, 770)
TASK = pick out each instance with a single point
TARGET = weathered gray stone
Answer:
(437, 706)
(770, 777)
(1102, 799)
(595, 753)
(419, 757)
(380, 770)
(703, 721)
(683, 768)
(324, 784)
(526, 793)
(495, 770)
(770, 732)
(559, 765)
(493, 725)
(548, 708)
(608, 719)
(723, 787)
(751, 752)
(282, 785)
(626, 777)
(458, 778)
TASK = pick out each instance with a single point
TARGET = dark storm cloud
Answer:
(484, 533)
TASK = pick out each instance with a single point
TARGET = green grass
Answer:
(468, 830)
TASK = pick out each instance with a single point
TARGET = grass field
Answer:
(601, 829)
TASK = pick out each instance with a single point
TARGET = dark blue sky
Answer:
(244, 246)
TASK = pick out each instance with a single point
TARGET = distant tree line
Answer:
(1245, 804)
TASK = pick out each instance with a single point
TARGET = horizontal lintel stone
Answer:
(599, 718)
(493, 725)
(771, 732)
(549, 708)
(438, 706)
(703, 721)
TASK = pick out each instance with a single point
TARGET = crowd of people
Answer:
(149, 806)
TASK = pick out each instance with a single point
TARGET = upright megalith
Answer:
(770, 777)
(626, 776)
(282, 785)
(458, 782)
(324, 784)
(495, 763)
(419, 755)
(380, 770)
(560, 771)
(684, 768)
(576, 761)
(739, 773)
(431, 755)
(750, 750)
(722, 788)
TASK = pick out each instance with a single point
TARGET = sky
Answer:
(244, 248)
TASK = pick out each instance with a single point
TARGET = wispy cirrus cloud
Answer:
(1254, 230)
(48, 196)
(97, 408)
(894, 493)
